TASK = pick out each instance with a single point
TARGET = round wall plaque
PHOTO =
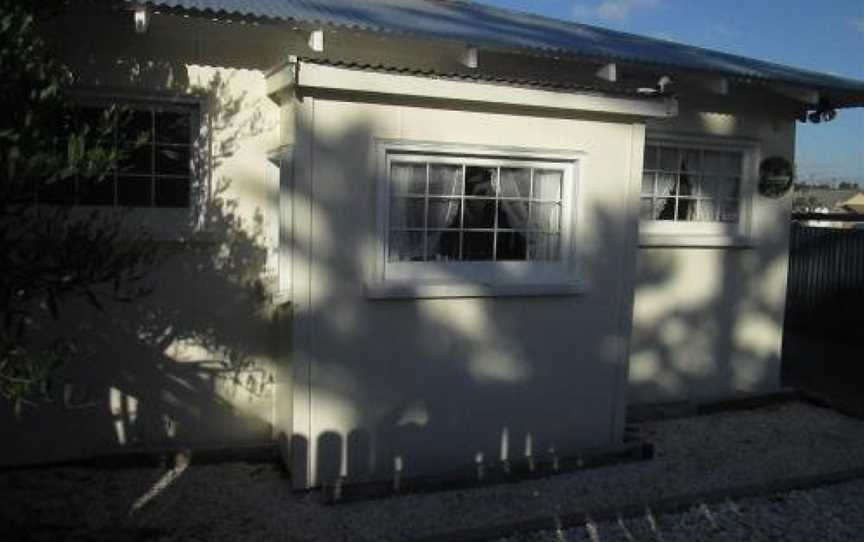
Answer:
(776, 175)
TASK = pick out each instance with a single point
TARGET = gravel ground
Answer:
(241, 502)
(827, 513)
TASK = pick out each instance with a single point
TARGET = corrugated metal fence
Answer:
(825, 292)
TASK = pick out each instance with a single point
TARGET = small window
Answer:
(476, 217)
(691, 184)
(465, 211)
(156, 169)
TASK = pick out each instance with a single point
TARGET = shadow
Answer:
(194, 364)
(428, 384)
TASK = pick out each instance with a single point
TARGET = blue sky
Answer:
(825, 36)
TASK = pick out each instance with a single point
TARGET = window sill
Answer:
(694, 241)
(420, 290)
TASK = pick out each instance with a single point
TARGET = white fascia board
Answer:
(316, 76)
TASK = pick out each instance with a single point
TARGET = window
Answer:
(450, 211)
(156, 171)
(697, 191)
(691, 184)
(490, 218)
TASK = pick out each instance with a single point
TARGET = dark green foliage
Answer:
(50, 255)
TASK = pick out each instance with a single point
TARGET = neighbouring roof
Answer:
(827, 197)
(855, 203)
(480, 25)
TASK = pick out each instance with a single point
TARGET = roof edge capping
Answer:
(316, 77)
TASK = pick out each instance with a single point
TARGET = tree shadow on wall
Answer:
(192, 363)
(438, 383)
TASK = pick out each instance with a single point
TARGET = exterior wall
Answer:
(708, 322)
(437, 381)
(195, 363)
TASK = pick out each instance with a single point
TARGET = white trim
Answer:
(316, 76)
(476, 279)
(628, 254)
(694, 240)
(432, 290)
(165, 224)
(707, 234)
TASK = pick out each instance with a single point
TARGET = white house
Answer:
(425, 231)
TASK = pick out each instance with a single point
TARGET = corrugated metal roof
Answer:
(479, 77)
(481, 25)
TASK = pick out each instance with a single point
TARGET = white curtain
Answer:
(665, 187)
(405, 213)
(545, 217)
(447, 181)
(516, 183)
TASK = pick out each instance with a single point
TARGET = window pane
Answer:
(651, 153)
(723, 162)
(173, 127)
(686, 209)
(687, 184)
(477, 246)
(405, 246)
(408, 178)
(511, 246)
(444, 213)
(667, 184)
(443, 246)
(480, 181)
(705, 187)
(445, 180)
(728, 187)
(669, 159)
(137, 160)
(513, 214)
(479, 213)
(646, 209)
(515, 183)
(96, 192)
(544, 247)
(172, 160)
(664, 209)
(135, 191)
(706, 211)
(547, 185)
(546, 217)
(648, 184)
(172, 192)
(137, 126)
(729, 211)
(406, 213)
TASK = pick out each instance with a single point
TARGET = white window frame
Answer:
(476, 279)
(164, 223)
(709, 234)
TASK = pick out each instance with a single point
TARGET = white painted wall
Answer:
(362, 380)
(437, 381)
(708, 322)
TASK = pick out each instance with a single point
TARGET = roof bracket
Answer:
(799, 94)
(470, 58)
(609, 72)
(316, 41)
(141, 16)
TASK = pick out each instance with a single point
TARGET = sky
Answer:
(826, 36)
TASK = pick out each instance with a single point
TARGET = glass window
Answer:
(691, 184)
(460, 210)
(156, 143)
